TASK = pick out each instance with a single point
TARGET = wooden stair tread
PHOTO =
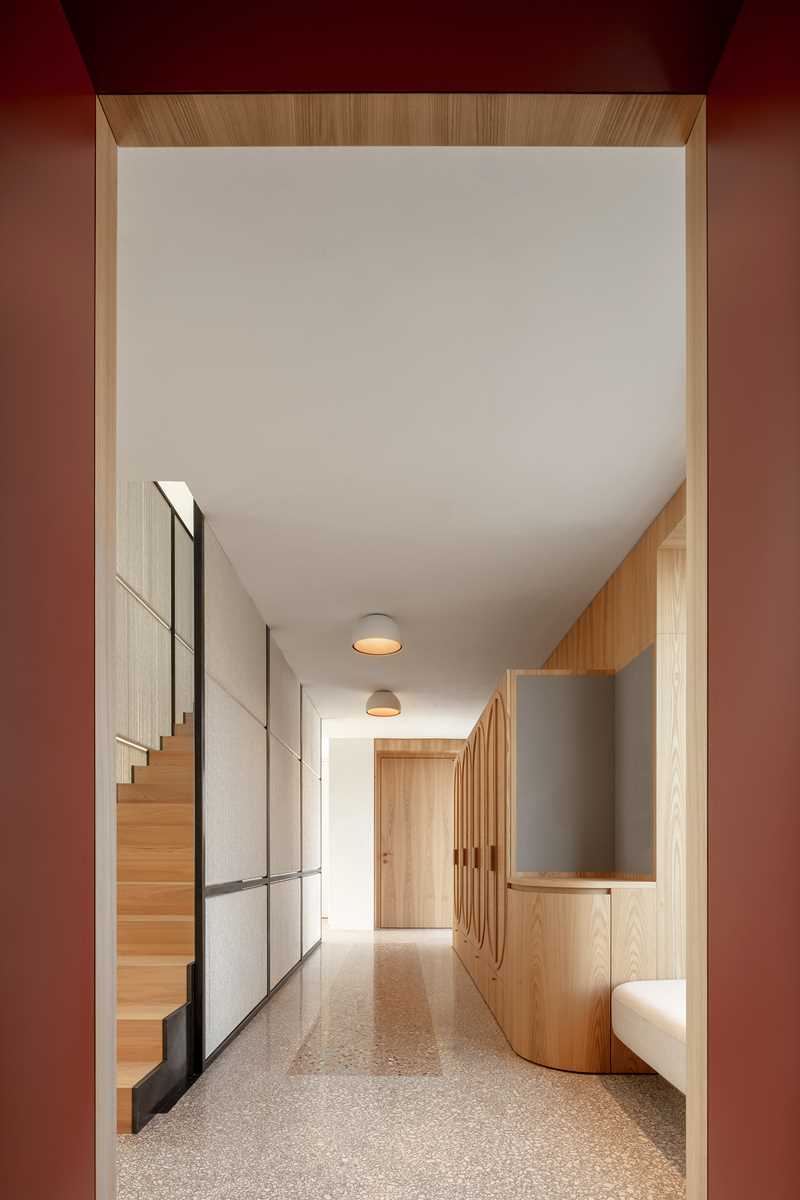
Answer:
(145, 793)
(134, 918)
(155, 960)
(131, 1073)
(146, 1012)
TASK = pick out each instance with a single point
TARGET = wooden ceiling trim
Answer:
(401, 119)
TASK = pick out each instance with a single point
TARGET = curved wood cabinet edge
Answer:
(544, 951)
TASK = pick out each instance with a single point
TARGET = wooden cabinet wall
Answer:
(479, 885)
(543, 951)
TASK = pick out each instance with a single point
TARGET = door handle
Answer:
(493, 859)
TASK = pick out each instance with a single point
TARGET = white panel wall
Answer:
(235, 789)
(235, 795)
(235, 634)
(312, 922)
(284, 809)
(236, 960)
(351, 799)
(311, 735)
(284, 700)
(284, 928)
(312, 820)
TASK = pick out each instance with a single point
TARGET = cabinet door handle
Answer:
(464, 856)
(476, 857)
(493, 859)
(455, 857)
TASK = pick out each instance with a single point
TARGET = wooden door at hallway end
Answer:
(415, 842)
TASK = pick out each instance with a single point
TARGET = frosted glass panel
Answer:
(184, 584)
(311, 734)
(284, 699)
(184, 681)
(284, 928)
(143, 543)
(312, 919)
(236, 960)
(236, 636)
(284, 809)
(144, 673)
(235, 790)
(312, 848)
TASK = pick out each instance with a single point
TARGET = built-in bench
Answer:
(649, 1016)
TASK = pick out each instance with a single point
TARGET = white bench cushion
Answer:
(649, 1016)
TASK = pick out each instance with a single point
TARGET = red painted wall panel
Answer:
(420, 45)
(47, 606)
(754, 608)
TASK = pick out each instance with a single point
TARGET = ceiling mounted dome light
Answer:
(383, 704)
(377, 634)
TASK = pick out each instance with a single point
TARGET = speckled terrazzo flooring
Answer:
(377, 1071)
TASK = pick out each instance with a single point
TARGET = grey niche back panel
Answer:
(633, 765)
(565, 773)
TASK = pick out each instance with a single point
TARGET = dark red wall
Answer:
(419, 45)
(754, 608)
(47, 602)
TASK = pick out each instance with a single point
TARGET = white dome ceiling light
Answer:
(377, 634)
(383, 704)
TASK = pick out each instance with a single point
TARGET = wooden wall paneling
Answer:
(696, 660)
(558, 978)
(457, 843)
(633, 956)
(671, 764)
(468, 898)
(620, 622)
(479, 833)
(106, 752)
(401, 119)
(492, 895)
(419, 746)
(502, 785)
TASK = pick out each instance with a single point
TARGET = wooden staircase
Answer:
(155, 928)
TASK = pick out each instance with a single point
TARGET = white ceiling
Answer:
(442, 384)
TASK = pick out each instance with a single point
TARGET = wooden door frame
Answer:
(467, 120)
(384, 748)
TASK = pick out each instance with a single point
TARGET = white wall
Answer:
(351, 900)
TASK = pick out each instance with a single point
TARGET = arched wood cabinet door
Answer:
(500, 771)
(479, 835)
(491, 832)
(457, 844)
(466, 873)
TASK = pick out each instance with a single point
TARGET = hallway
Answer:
(378, 1071)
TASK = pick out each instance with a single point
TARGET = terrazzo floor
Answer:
(377, 1071)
